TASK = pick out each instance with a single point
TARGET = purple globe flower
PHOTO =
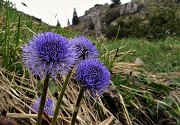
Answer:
(85, 49)
(48, 108)
(48, 53)
(93, 76)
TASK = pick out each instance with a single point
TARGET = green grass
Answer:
(16, 29)
(150, 91)
(147, 89)
(158, 56)
(141, 94)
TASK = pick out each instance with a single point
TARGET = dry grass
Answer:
(18, 93)
(17, 96)
(137, 70)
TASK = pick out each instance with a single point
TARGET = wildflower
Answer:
(93, 76)
(48, 108)
(48, 53)
(85, 49)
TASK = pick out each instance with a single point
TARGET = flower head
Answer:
(48, 53)
(85, 49)
(93, 76)
(48, 108)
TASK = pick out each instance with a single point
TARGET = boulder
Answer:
(92, 21)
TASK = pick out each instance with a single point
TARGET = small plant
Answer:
(48, 55)
(48, 107)
(94, 77)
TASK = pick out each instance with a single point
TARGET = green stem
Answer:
(111, 63)
(73, 121)
(43, 99)
(7, 49)
(59, 102)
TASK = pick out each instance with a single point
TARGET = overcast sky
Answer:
(52, 10)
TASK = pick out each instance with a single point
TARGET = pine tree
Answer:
(75, 19)
(115, 1)
(68, 23)
(58, 24)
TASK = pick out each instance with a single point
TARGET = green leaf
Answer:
(168, 101)
(117, 80)
(53, 87)
(160, 87)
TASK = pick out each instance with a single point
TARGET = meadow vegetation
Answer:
(159, 19)
(139, 94)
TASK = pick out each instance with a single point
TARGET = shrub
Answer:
(112, 14)
(131, 28)
(160, 25)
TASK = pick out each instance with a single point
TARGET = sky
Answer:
(50, 11)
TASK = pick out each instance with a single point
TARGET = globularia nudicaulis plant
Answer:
(92, 76)
(48, 55)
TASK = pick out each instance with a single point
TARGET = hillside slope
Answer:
(136, 19)
(141, 93)
(30, 24)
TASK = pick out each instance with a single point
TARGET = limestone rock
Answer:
(92, 21)
(95, 19)
(138, 61)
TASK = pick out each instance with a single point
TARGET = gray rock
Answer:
(138, 61)
(92, 21)
(133, 7)
(133, 1)
(123, 10)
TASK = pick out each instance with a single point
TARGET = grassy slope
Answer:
(150, 89)
(156, 82)
(17, 28)
(158, 56)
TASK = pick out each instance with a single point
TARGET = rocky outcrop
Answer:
(133, 7)
(127, 9)
(93, 21)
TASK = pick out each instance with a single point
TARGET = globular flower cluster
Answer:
(48, 53)
(85, 49)
(93, 76)
(48, 108)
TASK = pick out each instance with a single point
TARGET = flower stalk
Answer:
(43, 100)
(76, 108)
(59, 102)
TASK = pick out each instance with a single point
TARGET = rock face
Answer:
(133, 7)
(93, 21)
(128, 9)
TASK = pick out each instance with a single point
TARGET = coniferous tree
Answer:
(75, 19)
(68, 23)
(58, 24)
(115, 1)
